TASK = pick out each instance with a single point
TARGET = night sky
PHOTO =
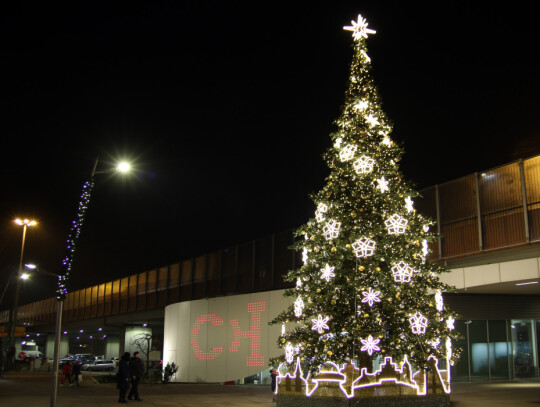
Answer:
(225, 108)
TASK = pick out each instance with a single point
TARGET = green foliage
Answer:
(169, 371)
(353, 198)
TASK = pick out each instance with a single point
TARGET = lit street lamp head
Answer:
(25, 222)
(123, 167)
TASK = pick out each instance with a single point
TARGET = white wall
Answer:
(112, 347)
(200, 336)
(131, 333)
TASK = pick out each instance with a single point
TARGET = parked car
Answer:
(100, 365)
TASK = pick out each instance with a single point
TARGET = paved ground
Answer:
(34, 391)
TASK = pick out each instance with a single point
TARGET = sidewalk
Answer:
(33, 390)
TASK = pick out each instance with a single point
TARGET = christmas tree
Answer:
(366, 289)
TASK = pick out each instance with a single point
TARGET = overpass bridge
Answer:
(489, 224)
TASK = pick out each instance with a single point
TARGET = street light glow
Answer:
(25, 276)
(123, 166)
(25, 222)
(30, 266)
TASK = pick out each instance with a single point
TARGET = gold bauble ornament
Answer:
(282, 340)
(348, 246)
(318, 290)
(333, 302)
(361, 268)
(366, 315)
(377, 269)
(329, 353)
(334, 249)
(312, 238)
(353, 214)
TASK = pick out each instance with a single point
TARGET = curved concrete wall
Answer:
(222, 339)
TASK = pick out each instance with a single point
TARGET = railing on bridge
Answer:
(485, 211)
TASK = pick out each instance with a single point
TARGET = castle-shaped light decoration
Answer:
(347, 381)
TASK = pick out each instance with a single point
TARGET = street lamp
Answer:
(67, 261)
(25, 223)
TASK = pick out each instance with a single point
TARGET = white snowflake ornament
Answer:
(450, 323)
(439, 301)
(425, 248)
(370, 345)
(396, 224)
(402, 272)
(331, 229)
(321, 210)
(347, 153)
(327, 273)
(363, 165)
(320, 324)
(371, 296)
(305, 255)
(418, 323)
(364, 247)
(298, 306)
(362, 105)
(383, 184)
(409, 204)
(372, 120)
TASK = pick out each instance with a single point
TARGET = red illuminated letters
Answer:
(255, 358)
(254, 335)
(215, 352)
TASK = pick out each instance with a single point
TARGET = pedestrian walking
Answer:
(273, 376)
(68, 371)
(123, 378)
(77, 372)
(136, 370)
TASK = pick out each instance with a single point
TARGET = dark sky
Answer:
(225, 109)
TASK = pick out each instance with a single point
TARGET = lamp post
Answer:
(63, 276)
(25, 223)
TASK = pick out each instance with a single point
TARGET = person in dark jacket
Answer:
(273, 376)
(136, 370)
(77, 372)
(123, 378)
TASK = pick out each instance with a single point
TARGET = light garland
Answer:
(439, 301)
(74, 233)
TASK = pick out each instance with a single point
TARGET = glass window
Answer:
(523, 348)
(460, 370)
(478, 351)
(499, 350)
